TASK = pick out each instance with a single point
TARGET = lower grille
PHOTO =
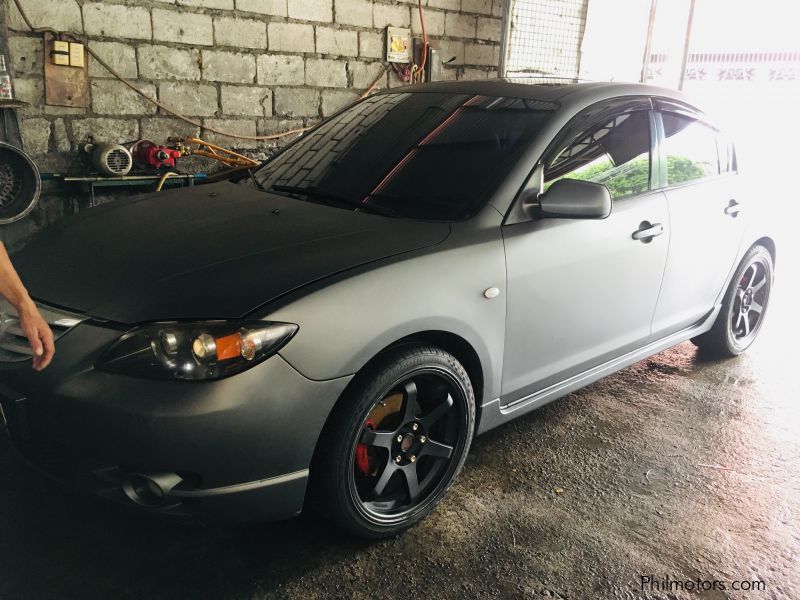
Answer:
(14, 345)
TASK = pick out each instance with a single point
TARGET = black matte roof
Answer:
(547, 89)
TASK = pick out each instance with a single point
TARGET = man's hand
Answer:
(39, 336)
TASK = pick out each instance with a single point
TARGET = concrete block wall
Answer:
(252, 67)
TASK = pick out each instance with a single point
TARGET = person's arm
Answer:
(31, 322)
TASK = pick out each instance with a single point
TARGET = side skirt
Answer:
(495, 412)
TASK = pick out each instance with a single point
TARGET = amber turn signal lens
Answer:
(229, 347)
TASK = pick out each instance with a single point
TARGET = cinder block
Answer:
(220, 4)
(311, 10)
(291, 37)
(354, 12)
(246, 127)
(450, 73)
(247, 33)
(193, 99)
(246, 101)
(371, 44)
(162, 62)
(337, 41)
(27, 54)
(322, 72)
(273, 126)
(482, 7)
(230, 67)
(450, 51)
(364, 73)
(281, 69)
(104, 130)
(481, 54)
(30, 91)
(62, 15)
(457, 25)
(384, 15)
(297, 102)
(35, 135)
(184, 27)
(117, 21)
(120, 57)
(445, 4)
(334, 100)
(489, 29)
(112, 97)
(160, 129)
(473, 73)
(497, 8)
(276, 8)
(434, 22)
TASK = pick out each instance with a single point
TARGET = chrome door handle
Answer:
(647, 231)
(733, 209)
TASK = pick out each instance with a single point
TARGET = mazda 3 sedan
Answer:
(334, 327)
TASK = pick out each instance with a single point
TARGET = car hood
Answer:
(210, 252)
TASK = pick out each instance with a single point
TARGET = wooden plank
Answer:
(63, 85)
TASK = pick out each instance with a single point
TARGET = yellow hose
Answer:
(164, 177)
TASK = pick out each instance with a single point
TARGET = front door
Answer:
(580, 292)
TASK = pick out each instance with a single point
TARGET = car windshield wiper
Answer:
(334, 199)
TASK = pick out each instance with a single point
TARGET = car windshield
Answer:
(428, 156)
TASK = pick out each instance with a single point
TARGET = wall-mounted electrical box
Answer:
(433, 66)
(66, 78)
(398, 45)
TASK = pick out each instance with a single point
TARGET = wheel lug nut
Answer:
(398, 458)
(415, 427)
(422, 439)
(399, 438)
(412, 458)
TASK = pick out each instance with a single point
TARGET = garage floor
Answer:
(678, 466)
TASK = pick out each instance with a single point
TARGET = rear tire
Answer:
(394, 443)
(743, 308)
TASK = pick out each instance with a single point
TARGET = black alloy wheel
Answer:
(743, 308)
(750, 301)
(395, 443)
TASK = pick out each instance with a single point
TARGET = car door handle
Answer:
(647, 231)
(733, 209)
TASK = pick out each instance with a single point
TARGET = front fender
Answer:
(347, 322)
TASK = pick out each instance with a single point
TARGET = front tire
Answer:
(395, 443)
(743, 308)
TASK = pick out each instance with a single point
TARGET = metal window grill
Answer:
(545, 37)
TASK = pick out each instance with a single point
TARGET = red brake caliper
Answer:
(363, 459)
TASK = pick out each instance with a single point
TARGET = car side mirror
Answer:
(575, 199)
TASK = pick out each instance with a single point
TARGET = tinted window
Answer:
(690, 148)
(419, 155)
(615, 153)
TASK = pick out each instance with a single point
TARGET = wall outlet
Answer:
(76, 55)
(60, 53)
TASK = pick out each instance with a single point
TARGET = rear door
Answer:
(705, 214)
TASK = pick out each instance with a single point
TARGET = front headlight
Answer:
(195, 351)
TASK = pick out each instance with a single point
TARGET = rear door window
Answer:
(690, 149)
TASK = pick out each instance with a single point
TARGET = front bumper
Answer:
(238, 448)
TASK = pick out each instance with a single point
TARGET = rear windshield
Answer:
(430, 156)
